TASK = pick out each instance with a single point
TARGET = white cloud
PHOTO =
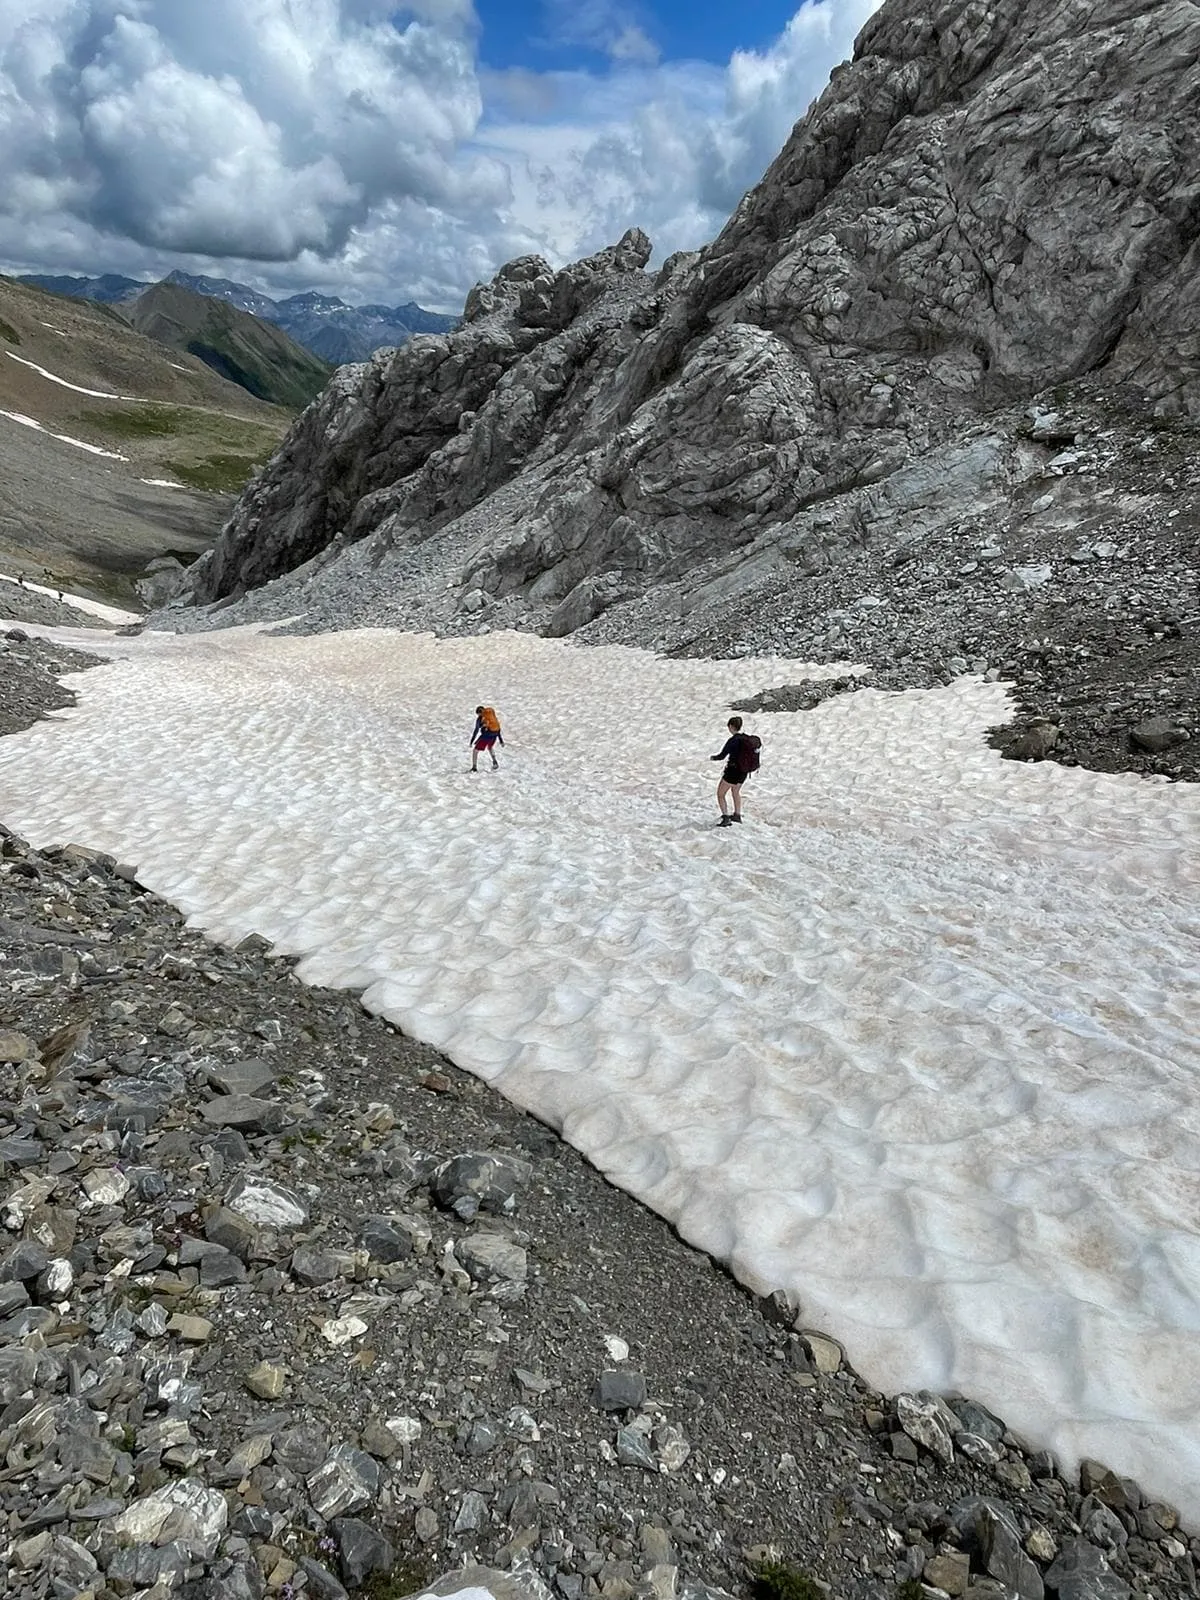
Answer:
(360, 148)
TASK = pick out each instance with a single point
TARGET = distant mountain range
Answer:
(331, 329)
(246, 349)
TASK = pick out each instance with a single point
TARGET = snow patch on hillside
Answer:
(918, 1043)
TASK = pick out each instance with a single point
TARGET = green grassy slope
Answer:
(258, 356)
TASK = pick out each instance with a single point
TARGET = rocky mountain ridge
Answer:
(952, 332)
(985, 204)
(325, 325)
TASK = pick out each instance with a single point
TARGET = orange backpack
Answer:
(489, 721)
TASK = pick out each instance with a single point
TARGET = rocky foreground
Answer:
(289, 1305)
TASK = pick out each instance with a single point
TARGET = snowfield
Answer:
(919, 1043)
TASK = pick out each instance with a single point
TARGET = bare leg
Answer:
(735, 790)
(723, 789)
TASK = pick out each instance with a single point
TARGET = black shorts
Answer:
(734, 776)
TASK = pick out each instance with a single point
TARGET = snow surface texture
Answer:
(917, 1043)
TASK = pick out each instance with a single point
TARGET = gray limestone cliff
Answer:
(992, 198)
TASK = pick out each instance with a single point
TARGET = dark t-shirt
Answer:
(734, 752)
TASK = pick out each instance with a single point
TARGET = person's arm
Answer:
(475, 731)
(723, 751)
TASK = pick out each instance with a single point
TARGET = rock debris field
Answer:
(221, 1181)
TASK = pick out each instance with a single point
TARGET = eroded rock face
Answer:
(991, 199)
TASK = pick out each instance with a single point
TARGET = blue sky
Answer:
(531, 33)
(390, 150)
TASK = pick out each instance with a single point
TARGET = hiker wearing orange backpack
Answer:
(485, 736)
(740, 755)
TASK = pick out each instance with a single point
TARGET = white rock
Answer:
(617, 1349)
(405, 1429)
(106, 1187)
(341, 1330)
(268, 1204)
(920, 1415)
(1018, 579)
(195, 1513)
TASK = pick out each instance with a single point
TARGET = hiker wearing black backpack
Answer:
(485, 736)
(740, 755)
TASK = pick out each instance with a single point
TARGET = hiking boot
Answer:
(737, 816)
(725, 822)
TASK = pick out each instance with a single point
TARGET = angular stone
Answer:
(106, 1187)
(1081, 1572)
(384, 1242)
(53, 1227)
(620, 1389)
(16, 1047)
(18, 1152)
(321, 1583)
(633, 1450)
(266, 1203)
(491, 1258)
(1097, 1479)
(185, 1510)
(978, 1420)
(312, 1266)
(24, 1263)
(950, 1572)
(361, 1551)
(479, 1181)
(232, 1232)
(248, 1077)
(521, 1584)
(478, 1438)
(472, 1513)
(1157, 734)
(976, 1449)
(301, 1450)
(266, 1381)
(245, 1114)
(922, 1418)
(348, 1481)
(825, 1354)
(70, 1562)
(989, 1533)
(13, 1297)
(193, 1330)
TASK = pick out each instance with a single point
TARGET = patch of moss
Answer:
(141, 422)
(7, 331)
(776, 1580)
(405, 1578)
(217, 474)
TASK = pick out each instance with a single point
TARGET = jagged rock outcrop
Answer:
(992, 198)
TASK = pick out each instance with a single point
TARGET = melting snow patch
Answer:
(63, 438)
(94, 608)
(97, 394)
(917, 1044)
(162, 483)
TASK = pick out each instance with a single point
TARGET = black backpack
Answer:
(749, 761)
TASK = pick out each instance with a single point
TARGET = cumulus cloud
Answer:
(686, 155)
(251, 128)
(359, 146)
